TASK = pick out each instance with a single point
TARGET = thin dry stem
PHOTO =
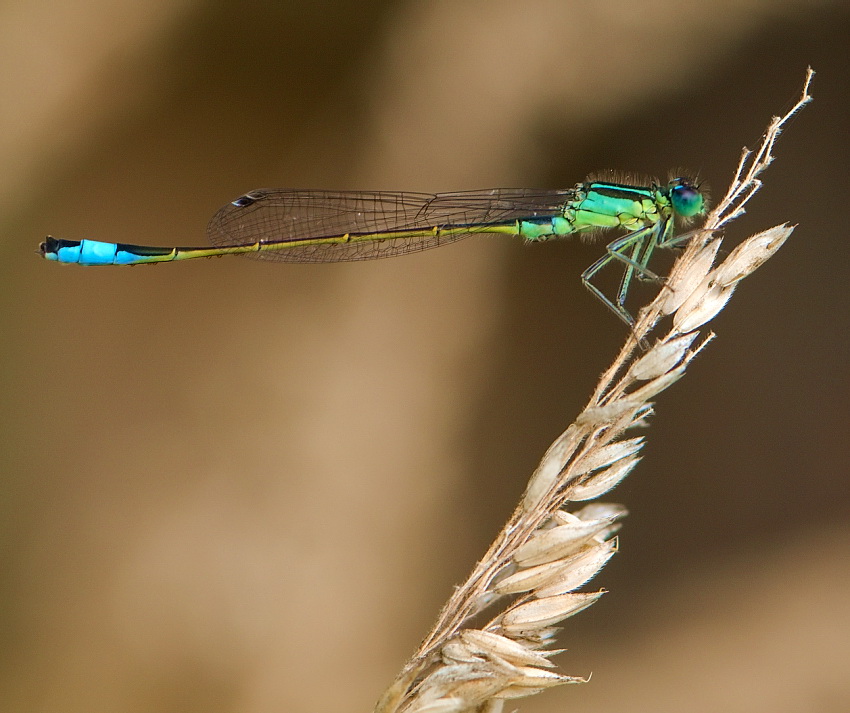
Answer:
(544, 553)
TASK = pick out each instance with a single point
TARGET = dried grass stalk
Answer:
(544, 553)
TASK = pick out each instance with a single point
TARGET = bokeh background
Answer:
(238, 486)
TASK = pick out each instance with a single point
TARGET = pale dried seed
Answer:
(702, 306)
(534, 679)
(661, 358)
(550, 467)
(558, 542)
(751, 254)
(537, 680)
(600, 483)
(595, 416)
(456, 651)
(544, 635)
(583, 567)
(521, 691)
(486, 643)
(602, 456)
(681, 284)
(564, 517)
(469, 683)
(538, 638)
(634, 418)
(452, 674)
(441, 705)
(484, 600)
(527, 579)
(479, 689)
(531, 676)
(652, 388)
(545, 612)
(601, 511)
(560, 576)
(563, 447)
(517, 692)
(609, 532)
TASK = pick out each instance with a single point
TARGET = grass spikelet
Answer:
(546, 551)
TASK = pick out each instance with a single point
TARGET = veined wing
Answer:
(381, 223)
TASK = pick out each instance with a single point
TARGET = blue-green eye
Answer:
(686, 198)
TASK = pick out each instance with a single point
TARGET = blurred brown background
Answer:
(239, 486)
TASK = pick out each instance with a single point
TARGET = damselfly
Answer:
(327, 226)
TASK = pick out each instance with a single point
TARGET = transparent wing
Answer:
(295, 216)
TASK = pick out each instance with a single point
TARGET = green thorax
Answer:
(612, 205)
(602, 205)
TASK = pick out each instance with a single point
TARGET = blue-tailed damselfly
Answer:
(327, 226)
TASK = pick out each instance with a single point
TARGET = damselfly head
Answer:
(686, 197)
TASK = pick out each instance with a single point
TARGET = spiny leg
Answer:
(616, 251)
(631, 270)
(586, 278)
(648, 247)
(637, 241)
(640, 257)
(675, 241)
